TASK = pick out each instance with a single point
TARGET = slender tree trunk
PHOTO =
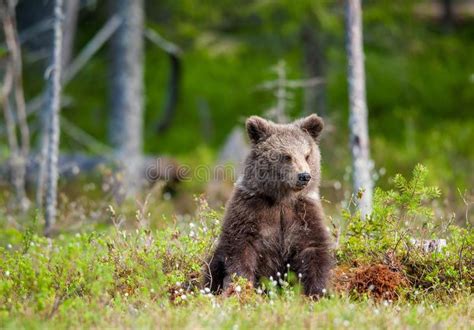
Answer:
(73, 68)
(43, 146)
(53, 108)
(172, 94)
(314, 66)
(19, 150)
(174, 82)
(71, 12)
(126, 90)
(448, 15)
(358, 121)
(17, 173)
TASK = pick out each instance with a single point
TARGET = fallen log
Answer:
(153, 169)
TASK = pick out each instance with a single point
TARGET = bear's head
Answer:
(285, 158)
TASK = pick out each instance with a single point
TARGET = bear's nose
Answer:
(303, 178)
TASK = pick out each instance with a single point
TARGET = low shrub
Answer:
(382, 257)
(432, 254)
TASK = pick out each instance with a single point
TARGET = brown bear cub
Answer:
(274, 219)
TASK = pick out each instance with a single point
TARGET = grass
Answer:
(134, 274)
(283, 313)
(148, 279)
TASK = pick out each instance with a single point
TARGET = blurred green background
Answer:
(419, 75)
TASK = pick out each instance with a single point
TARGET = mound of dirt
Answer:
(377, 281)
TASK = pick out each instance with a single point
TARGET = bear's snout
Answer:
(303, 178)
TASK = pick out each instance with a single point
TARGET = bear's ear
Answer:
(258, 129)
(313, 125)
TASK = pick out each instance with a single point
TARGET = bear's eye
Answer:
(307, 157)
(287, 158)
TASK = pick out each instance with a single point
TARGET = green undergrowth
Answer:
(404, 232)
(142, 277)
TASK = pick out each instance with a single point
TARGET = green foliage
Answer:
(419, 91)
(117, 276)
(416, 80)
(42, 274)
(400, 230)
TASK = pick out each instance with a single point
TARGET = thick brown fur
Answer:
(272, 220)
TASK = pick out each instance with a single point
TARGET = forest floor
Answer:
(280, 313)
(124, 269)
(150, 280)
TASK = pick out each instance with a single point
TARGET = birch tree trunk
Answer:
(126, 90)
(52, 113)
(359, 138)
(14, 84)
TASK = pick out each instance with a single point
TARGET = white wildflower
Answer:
(238, 289)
